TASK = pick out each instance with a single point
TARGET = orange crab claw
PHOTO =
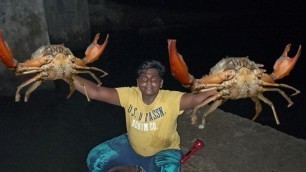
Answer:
(285, 64)
(6, 55)
(94, 50)
(178, 66)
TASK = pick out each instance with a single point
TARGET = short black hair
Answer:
(151, 64)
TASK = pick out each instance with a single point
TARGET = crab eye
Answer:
(258, 73)
(73, 59)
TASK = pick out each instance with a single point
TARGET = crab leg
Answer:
(6, 55)
(28, 70)
(213, 107)
(178, 66)
(264, 99)
(72, 88)
(31, 89)
(91, 68)
(285, 64)
(34, 79)
(92, 75)
(258, 107)
(208, 100)
(94, 50)
(290, 103)
(281, 85)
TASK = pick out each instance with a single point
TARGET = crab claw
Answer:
(178, 66)
(6, 55)
(94, 50)
(285, 64)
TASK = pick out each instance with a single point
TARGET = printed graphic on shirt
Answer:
(145, 121)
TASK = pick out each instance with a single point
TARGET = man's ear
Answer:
(137, 81)
(161, 83)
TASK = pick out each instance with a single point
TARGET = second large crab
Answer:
(235, 78)
(53, 62)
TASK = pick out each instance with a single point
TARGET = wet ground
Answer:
(50, 133)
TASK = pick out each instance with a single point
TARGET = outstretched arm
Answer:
(190, 100)
(101, 93)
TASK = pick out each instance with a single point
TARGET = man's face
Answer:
(149, 82)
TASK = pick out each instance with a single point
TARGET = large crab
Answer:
(235, 78)
(53, 62)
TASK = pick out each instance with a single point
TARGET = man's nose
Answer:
(149, 81)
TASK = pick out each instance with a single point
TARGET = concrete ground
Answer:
(235, 144)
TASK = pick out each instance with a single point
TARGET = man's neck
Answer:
(148, 99)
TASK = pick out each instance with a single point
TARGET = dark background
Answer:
(67, 129)
(260, 30)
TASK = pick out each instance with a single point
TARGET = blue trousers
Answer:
(118, 151)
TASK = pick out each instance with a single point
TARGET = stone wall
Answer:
(143, 17)
(68, 23)
(25, 29)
